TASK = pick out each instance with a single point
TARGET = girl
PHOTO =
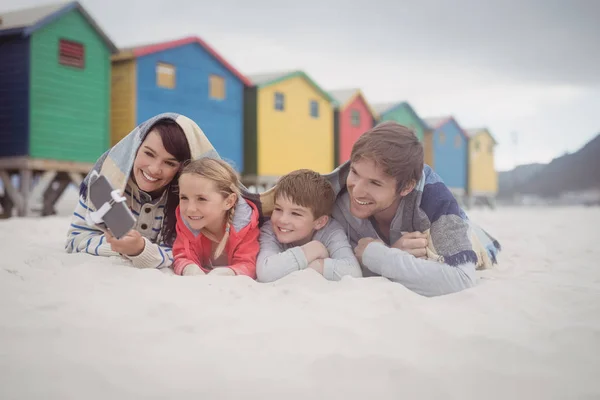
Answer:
(217, 230)
(144, 166)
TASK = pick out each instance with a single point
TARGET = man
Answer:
(402, 220)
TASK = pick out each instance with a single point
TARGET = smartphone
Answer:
(118, 219)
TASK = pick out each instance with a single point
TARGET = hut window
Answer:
(355, 118)
(165, 75)
(217, 87)
(491, 148)
(457, 141)
(477, 145)
(71, 53)
(442, 138)
(314, 109)
(279, 101)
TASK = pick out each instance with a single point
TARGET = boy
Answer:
(300, 233)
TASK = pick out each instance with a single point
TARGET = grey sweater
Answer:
(426, 277)
(276, 260)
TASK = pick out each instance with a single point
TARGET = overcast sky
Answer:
(528, 67)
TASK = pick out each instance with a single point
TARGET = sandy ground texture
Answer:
(74, 326)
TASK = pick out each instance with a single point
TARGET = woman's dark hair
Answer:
(174, 142)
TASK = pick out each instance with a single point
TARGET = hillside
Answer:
(517, 176)
(569, 173)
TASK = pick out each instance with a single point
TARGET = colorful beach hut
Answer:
(54, 100)
(55, 80)
(482, 176)
(186, 76)
(403, 113)
(289, 125)
(449, 152)
(353, 117)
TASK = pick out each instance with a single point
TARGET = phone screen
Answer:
(119, 219)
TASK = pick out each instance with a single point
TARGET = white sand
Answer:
(83, 327)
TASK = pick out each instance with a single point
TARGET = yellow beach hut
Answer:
(482, 184)
(288, 125)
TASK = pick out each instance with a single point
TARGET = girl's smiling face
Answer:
(202, 205)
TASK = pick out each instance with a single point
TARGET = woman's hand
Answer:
(132, 244)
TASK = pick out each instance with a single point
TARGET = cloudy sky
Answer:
(528, 69)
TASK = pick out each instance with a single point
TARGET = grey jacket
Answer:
(276, 260)
(426, 277)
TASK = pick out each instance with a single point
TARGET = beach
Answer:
(78, 326)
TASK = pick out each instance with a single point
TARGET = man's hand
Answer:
(362, 245)
(132, 244)
(414, 243)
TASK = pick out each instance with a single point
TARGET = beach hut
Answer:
(403, 113)
(449, 152)
(289, 125)
(482, 176)
(54, 97)
(185, 76)
(353, 117)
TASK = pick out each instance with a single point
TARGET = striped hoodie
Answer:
(149, 215)
(116, 165)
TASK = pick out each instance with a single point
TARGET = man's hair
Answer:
(309, 189)
(393, 147)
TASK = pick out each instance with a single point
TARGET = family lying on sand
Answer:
(382, 213)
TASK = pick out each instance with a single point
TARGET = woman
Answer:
(145, 166)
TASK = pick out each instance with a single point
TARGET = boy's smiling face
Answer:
(294, 224)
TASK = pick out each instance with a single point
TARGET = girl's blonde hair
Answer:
(227, 182)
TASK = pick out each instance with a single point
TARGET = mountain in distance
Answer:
(576, 172)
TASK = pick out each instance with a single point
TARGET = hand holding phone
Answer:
(111, 209)
(131, 244)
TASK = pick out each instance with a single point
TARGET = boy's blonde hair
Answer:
(309, 189)
(227, 182)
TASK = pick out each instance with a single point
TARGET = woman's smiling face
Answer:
(154, 168)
